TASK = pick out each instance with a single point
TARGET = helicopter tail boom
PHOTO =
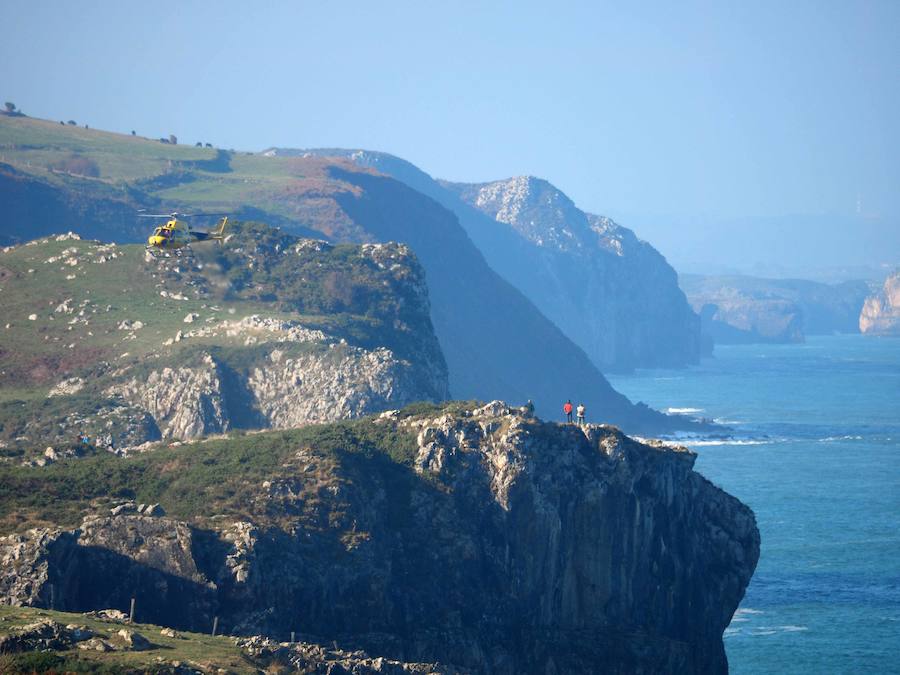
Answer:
(218, 232)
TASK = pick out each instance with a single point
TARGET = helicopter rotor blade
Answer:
(176, 214)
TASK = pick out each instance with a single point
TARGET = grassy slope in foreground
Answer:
(194, 649)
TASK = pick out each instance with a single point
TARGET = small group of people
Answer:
(579, 412)
(85, 441)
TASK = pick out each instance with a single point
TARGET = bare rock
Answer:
(880, 314)
(134, 640)
(97, 644)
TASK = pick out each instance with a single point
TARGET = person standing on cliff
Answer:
(567, 409)
(580, 412)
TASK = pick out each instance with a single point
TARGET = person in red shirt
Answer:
(567, 409)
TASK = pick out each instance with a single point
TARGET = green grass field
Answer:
(64, 309)
(37, 146)
(198, 650)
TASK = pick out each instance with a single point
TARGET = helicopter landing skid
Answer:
(185, 252)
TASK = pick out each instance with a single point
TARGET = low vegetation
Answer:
(194, 481)
(87, 313)
(194, 650)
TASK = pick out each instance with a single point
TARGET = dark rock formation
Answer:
(881, 313)
(504, 545)
(742, 309)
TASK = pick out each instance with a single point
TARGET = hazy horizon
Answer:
(681, 122)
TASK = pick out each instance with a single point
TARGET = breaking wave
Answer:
(683, 411)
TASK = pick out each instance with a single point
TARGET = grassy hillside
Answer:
(197, 651)
(198, 481)
(497, 344)
(178, 176)
(100, 312)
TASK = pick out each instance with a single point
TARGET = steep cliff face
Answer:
(740, 309)
(880, 314)
(334, 381)
(482, 538)
(614, 295)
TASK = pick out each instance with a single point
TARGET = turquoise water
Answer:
(815, 451)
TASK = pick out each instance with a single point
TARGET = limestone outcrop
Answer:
(880, 314)
(479, 537)
(325, 382)
(613, 294)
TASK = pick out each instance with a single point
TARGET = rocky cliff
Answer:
(496, 342)
(880, 314)
(742, 309)
(614, 295)
(478, 537)
(265, 331)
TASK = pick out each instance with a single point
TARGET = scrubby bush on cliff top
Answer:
(196, 480)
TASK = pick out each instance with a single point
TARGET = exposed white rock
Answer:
(67, 387)
(341, 383)
(881, 312)
(184, 402)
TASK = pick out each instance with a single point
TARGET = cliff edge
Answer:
(480, 537)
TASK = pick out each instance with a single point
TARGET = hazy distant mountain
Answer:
(614, 294)
(611, 293)
(497, 344)
(740, 309)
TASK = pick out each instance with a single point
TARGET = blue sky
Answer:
(653, 110)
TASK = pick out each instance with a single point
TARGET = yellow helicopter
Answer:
(176, 236)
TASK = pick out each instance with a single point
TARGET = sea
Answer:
(813, 448)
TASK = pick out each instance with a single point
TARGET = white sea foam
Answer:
(722, 420)
(712, 442)
(774, 630)
(683, 411)
(832, 439)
